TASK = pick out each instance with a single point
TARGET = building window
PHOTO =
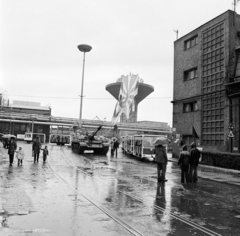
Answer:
(191, 42)
(190, 107)
(190, 74)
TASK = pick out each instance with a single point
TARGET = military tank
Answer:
(98, 145)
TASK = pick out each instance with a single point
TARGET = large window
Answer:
(190, 74)
(213, 71)
(191, 42)
(190, 107)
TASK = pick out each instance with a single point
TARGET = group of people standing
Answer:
(36, 147)
(188, 162)
(114, 147)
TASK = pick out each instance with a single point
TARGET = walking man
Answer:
(11, 149)
(36, 147)
(162, 160)
(115, 147)
(111, 147)
(194, 161)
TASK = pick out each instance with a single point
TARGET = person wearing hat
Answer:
(36, 147)
(11, 149)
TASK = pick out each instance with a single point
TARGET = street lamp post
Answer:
(83, 48)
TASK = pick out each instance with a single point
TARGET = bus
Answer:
(29, 137)
(128, 144)
(142, 146)
(123, 142)
(61, 139)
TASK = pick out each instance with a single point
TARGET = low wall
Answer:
(221, 159)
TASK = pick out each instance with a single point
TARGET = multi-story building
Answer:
(206, 94)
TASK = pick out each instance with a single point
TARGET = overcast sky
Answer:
(39, 59)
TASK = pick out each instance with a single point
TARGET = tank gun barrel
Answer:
(91, 137)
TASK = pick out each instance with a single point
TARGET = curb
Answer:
(230, 171)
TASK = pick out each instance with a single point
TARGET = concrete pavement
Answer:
(21, 195)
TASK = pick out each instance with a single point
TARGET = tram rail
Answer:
(108, 212)
(172, 214)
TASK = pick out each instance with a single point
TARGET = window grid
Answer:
(212, 81)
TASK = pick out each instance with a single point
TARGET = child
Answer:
(45, 154)
(20, 156)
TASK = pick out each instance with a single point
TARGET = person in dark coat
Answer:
(115, 147)
(194, 161)
(11, 149)
(36, 147)
(111, 147)
(183, 162)
(162, 160)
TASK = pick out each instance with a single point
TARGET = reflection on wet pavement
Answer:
(63, 196)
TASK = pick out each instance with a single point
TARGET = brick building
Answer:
(206, 90)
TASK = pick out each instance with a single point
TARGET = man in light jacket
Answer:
(162, 160)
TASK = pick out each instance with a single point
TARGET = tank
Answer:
(98, 144)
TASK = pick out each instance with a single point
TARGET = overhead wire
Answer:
(93, 98)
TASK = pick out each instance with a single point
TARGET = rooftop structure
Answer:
(143, 91)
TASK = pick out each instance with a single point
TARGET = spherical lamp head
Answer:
(84, 48)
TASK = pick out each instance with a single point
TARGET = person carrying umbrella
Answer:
(161, 159)
(11, 149)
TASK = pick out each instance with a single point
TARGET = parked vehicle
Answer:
(128, 147)
(123, 141)
(83, 142)
(142, 146)
(29, 137)
(60, 139)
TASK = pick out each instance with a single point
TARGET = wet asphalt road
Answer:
(103, 195)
